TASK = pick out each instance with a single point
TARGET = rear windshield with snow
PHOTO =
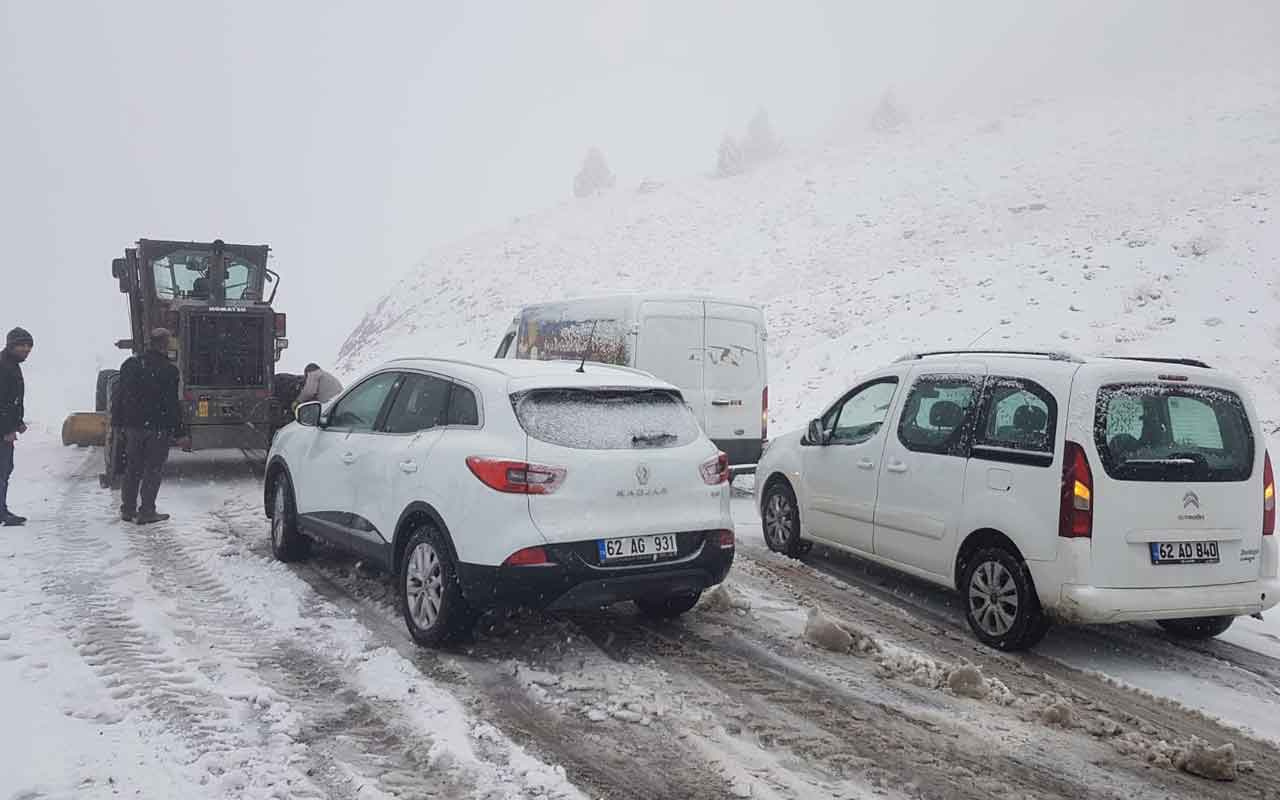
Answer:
(606, 419)
(1159, 432)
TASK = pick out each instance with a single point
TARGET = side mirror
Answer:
(816, 436)
(308, 415)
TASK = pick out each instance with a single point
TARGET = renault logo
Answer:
(1191, 500)
(642, 475)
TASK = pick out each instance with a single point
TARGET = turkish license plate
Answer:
(202, 408)
(1184, 552)
(642, 548)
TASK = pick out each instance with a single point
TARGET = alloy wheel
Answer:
(424, 585)
(778, 520)
(993, 598)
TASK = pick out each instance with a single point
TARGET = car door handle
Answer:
(896, 466)
(866, 463)
(408, 467)
(721, 402)
(348, 458)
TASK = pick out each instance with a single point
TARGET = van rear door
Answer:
(669, 346)
(734, 379)
(1177, 482)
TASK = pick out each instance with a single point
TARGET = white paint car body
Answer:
(878, 495)
(519, 517)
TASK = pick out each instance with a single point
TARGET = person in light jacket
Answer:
(320, 386)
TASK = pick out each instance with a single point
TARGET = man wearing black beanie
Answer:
(17, 348)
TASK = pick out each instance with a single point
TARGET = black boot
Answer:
(12, 520)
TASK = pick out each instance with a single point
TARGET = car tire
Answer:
(287, 542)
(430, 595)
(668, 607)
(780, 521)
(1000, 600)
(1196, 629)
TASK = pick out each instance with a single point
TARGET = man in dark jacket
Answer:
(147, 407)
(17, 347)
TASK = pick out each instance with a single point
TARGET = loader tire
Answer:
(102, 397)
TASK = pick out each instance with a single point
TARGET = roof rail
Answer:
(1049, 354)
(1182, 362)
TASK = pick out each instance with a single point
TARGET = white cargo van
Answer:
(713, 350)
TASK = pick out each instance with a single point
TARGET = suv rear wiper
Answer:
(653, 439)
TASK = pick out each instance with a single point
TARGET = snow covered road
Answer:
(182, 661)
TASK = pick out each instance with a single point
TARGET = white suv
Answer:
(508, 483)
(1044, 487)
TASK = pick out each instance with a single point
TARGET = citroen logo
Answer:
(642, 475)
(1191, 500)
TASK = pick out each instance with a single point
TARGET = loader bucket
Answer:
(85, 429)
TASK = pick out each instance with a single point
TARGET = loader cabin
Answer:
(216, 299)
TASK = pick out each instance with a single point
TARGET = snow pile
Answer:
(1140, 223)
(725, 598)
(822, 631)
(1194, 757)
(962, 680)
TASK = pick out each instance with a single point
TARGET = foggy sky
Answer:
(352, 137)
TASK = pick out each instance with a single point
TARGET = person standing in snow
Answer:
(320, 386)
(17, 348)
(148, 408)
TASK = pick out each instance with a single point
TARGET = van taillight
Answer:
(516, 477)
(1075, 518)
(764, 415)
(1268, 499)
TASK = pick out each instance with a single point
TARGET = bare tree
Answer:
(760, 144)
(730, 160)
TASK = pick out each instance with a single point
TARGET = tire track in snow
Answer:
(940, 635)
(240, 756)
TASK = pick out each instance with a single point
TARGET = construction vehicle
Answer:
(226, 339)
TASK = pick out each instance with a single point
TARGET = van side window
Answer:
(859, 417)
(938, 413)
(1018, 417)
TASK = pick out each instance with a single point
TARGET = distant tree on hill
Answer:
(889, 116)
(594, 177)
(760, 144)
(730, 160)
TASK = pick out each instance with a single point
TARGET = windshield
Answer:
(606, 419)
(1163, 433)
(546, 335)
(184, 274)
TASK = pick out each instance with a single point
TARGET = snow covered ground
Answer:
(181, 660)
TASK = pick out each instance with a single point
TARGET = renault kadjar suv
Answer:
(552, 485)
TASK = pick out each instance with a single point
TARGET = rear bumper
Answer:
(743, 454)
(572, 583)
(1090, 604)
(231, 437)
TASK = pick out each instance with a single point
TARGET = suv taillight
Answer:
(1075, 518)
(1268, 499)
(516, 477)
(764, 415)
(715, 471)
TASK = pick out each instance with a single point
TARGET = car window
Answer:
(1018, 415)
(359, 410)
(936, 412)
(462, 407)
(419, 405)
(607, 419)
(860, 417)
(1173, 433)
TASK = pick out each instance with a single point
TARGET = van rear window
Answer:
(606, 419)
(1156, 432)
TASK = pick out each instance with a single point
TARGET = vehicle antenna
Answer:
(981, 336)
(591, 341)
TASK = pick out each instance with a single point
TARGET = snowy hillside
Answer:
(1142, 223)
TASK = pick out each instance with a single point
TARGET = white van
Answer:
(713, 350)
